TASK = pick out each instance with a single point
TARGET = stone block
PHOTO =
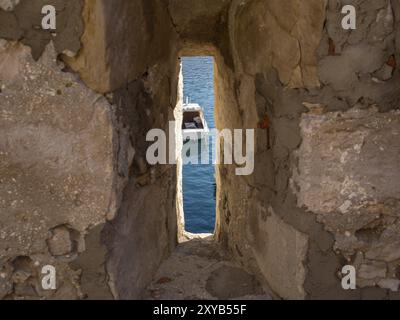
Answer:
(281, 256)
(60, 243)
(348, 170)
(372, 270)
(56, 151)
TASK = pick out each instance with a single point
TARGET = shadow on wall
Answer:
(144, 91)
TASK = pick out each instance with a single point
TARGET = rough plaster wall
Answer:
(22, 22)
(204, 16)
(98, 154)
(8, 5)
(341, 70)
(367, 79)
(205, 25)
(178, 114)
(121, 50)
(289, 91)
(349, 176)
(258, 90)
(287, 35)
(49, 123)
(284, 248)
(244, 201)
(145, 93)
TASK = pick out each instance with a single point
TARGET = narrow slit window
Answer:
(199, 187)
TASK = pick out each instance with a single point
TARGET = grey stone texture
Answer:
(76, 104)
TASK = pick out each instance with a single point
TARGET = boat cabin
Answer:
(194, 120)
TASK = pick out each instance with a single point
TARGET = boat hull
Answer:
(195, 135)
(191, 112)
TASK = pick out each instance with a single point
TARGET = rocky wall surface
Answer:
(144, 91)
(76, 191)
(287, 90)
(50, 122)
(348, 174)
(76, 105)
(21, 21)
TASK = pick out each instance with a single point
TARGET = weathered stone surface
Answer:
(198, 270)
(348, 167)
(343, 189)
(348, 175)
(281, 256)
(390, 284)
(24, 23)
(21, 275)
(49, 124)
(5, 279)
(204, 17)
(144, 91)
(389, 251)
(241, 283)
(56, 156)
(93, 276)
(106, 42)
(288, 34)
(341, 71)
(60, 242)
(344, 69)
(8, 5)
(372, 271)
(357, 63)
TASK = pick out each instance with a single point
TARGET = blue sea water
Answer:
(199, 180)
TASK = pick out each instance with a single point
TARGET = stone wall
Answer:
(73, 160)
(56, 168)
(320, 97)
(76, 190)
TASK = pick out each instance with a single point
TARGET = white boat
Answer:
(194, 124)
